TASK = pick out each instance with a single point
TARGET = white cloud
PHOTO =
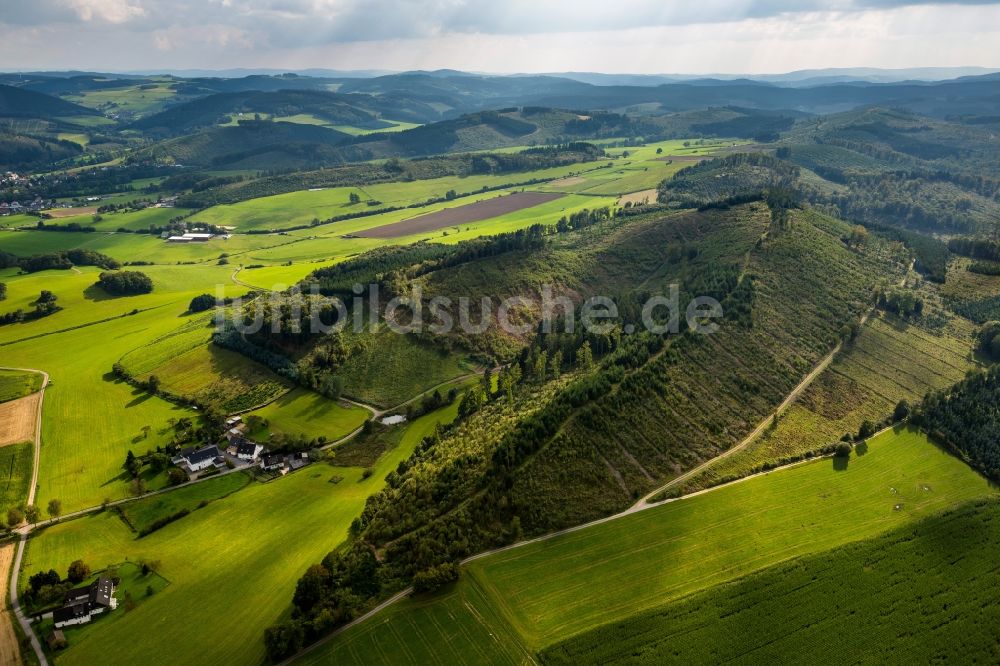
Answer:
(112, 11)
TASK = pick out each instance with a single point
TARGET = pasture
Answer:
(17, 384)
(303, 413)
(900, 597)
(143, 513)
(251, 548)
(551, 590)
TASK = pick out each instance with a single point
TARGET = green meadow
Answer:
(904, 597)
(15, 384)
(15, 475)
(232, 565)
(550, 590)
(143, 513)
(90, 420)
(301, 412)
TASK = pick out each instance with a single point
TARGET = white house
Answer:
(247, 450)
(199, 459)
(82, 604)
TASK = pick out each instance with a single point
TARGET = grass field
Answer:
(902, 597)
(304, 413)
(551, 590)
(15, 475)
(90, 420)
(888, 362)
(15, 384)
(143, 513)
(385, 369)
(232, 564)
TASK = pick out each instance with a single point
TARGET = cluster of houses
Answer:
(17, 207)
(83, 603)
(240, 451)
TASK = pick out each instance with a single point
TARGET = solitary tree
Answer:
(78, 571)
(153, 384)
(31, 513)
(14, 516)
(55, 507)
(902, 411)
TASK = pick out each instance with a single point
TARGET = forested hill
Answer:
(585, 438)
(19, 103)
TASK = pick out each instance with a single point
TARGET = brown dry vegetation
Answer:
(10, 652)
(17, 419)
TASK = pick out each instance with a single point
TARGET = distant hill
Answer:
(253, 144)
(20, 103)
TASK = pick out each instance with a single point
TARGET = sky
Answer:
(501, 36)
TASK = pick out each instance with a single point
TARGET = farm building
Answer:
(83, 603)
(198, 459)
(272, 461)
(247, 450)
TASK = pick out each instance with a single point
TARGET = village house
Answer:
(83, 603)
(247, 450)
(272, 461)
(198, 459)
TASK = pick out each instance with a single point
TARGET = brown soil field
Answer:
(17, 420)
(645, 196)
(70, 212)
(10, 651)
(474, 212)
(683, 158)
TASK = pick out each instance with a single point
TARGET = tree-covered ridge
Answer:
(967, 419)
(601, 419)
(739, 177)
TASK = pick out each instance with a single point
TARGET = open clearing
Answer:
(303, 413)
(57, 213)
(10, 652)
(481, 210)
(551, 590)
(17, 419)
(232, 565)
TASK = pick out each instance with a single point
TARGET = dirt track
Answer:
(10, 651)
(17, 420)
(474, 212)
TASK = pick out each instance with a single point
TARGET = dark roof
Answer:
(101, 591)
(246, 447)
(203, 454)
(273, 459)
(71, 612)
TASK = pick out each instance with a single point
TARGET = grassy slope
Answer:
(302, 412)
(232, 565)
(902, 597)
(143, 513)
(90, 421)
(15, 384)
(560, 587)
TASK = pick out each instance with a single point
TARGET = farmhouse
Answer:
(247, 450)
(272, 461)
(83, 603)
(198, 459)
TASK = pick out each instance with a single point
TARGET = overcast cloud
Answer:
(652, 36)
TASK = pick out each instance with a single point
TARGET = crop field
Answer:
(15, 475)
(16, 384)
(474, 212)
(304, 413)
(551, 590)
(900, 597)
(17, 419)
(141, 514)
(888, 362)
(247, 545)
(91, 420)
(384, 368)
(133, 220)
